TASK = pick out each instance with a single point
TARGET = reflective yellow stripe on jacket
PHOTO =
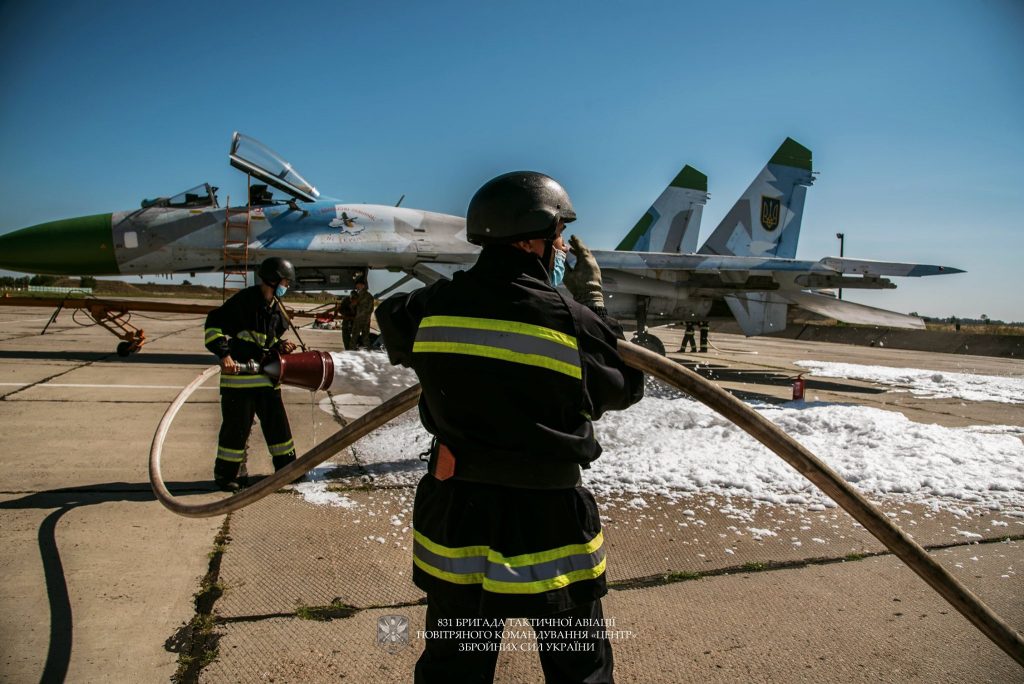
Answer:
(257, 338)
(531, 345)
(530, 573)
(213, 333)
(245, 381)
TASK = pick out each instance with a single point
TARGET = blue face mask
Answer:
(558, 270)
(279, 292)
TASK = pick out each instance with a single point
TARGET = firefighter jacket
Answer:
(248, 328)
(512, 372)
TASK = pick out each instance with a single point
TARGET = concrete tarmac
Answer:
(104, 584)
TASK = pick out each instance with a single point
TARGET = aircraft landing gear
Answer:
(132, 338)
(649, 341)
(642, 337)
(128, 348)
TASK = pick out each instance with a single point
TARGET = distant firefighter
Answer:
(703, 336)
(688, 338)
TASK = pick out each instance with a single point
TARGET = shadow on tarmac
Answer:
(343, 472)
(141, 357)
(58, 654)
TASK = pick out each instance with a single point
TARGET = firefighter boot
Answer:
(286, 460)
(230, 476)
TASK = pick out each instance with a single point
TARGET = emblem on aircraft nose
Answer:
(347, 224)
(770, 212)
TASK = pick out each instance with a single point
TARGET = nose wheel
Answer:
(127, 348)
(649, 341)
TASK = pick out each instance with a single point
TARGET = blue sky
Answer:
(914, 112)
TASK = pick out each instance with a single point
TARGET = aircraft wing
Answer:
(758, 313)
(704, 263)
(759, 289)
(849, 312)
(430, 273)
(882, 268)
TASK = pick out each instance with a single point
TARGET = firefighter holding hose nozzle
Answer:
(244, 332)
(513, 373)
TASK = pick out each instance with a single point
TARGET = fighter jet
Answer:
(748, 262)
(655, 275)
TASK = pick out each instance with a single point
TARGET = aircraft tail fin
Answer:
(765, 221)
(673, 221)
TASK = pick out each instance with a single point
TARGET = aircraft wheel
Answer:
(124, 348)
(651, 342)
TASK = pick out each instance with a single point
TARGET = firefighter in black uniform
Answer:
(688, 338)
(513, 373)
(248, 328)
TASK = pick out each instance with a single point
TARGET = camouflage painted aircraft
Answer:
(655, 274)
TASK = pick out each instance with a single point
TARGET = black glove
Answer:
(584, 280)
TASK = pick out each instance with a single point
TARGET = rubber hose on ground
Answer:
(749, 420)
(360, 427)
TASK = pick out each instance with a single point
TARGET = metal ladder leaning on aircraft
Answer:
(759, 427)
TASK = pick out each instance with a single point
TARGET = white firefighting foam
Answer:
(369, 373)
(927, 383)
(673, 446)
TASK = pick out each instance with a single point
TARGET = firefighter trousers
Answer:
(237, 407)
(460, 646)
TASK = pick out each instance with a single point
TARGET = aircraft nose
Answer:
(78, 246)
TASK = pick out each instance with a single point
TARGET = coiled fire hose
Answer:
(759, 427)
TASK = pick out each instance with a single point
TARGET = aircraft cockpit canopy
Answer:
(256, 159)
(204, 195)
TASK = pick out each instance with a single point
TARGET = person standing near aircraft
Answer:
(688, 338)
(347, 311)
(248, 328)
(704, 328)
(361, 324)
(512, 373)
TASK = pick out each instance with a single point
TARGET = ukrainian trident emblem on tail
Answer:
(770, 207)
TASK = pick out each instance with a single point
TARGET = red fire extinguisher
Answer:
(798, 387)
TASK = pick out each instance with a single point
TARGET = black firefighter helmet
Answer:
(521, 205)
(275, 269)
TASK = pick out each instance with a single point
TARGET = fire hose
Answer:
(304, 369)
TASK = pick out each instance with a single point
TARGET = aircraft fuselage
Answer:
(182, 240)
